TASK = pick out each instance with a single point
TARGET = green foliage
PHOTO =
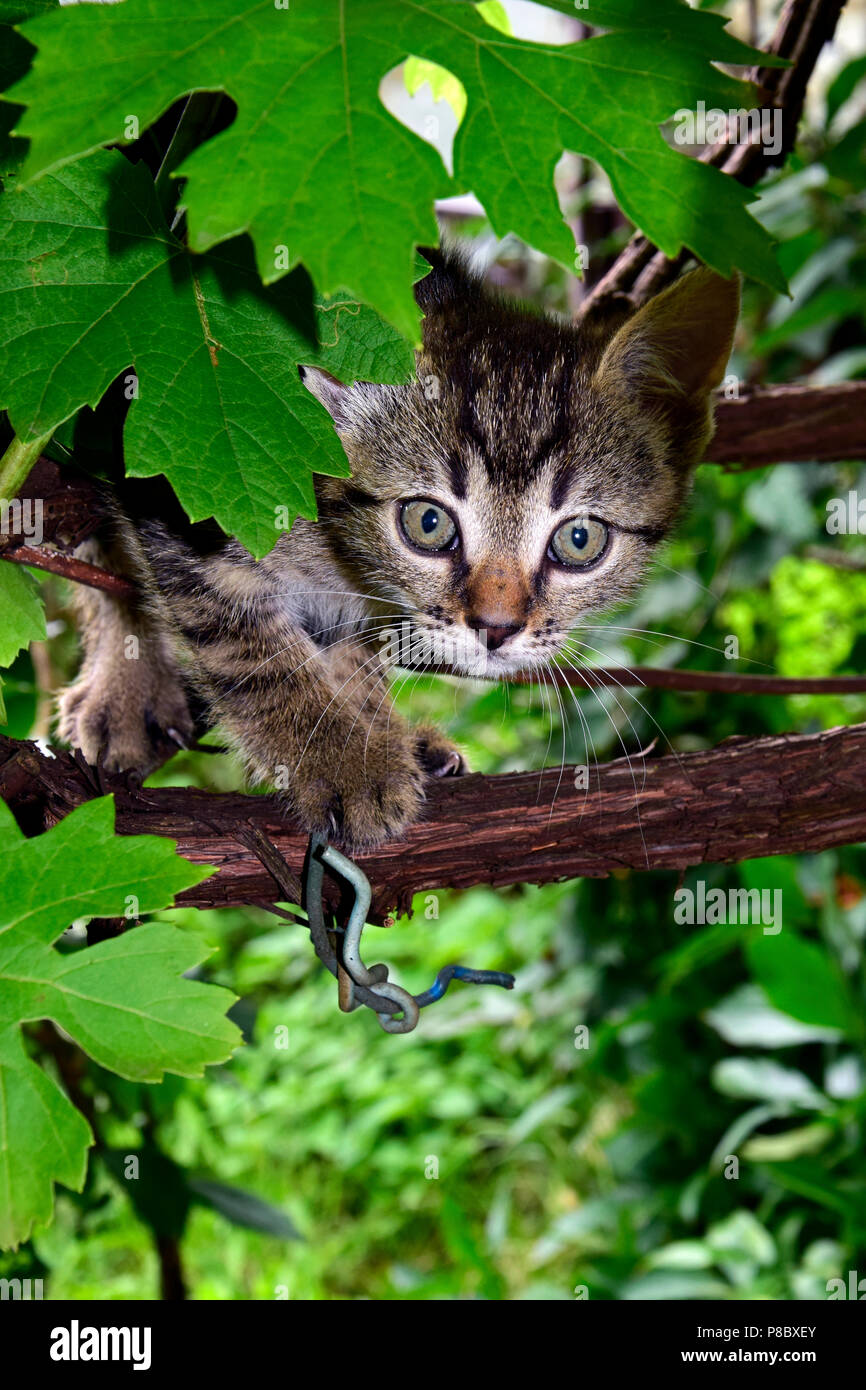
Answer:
(23, 619)
(122, 1001)
(800, 980)
(94, 283)
(331, 176)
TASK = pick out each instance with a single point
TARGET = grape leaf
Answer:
(93, 284)
(22, 619)
(124, 1001)
(15, 56)
(15, 11)
(316, 169)
(799, 979)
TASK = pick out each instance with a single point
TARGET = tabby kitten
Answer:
(522, 480)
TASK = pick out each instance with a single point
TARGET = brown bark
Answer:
(723, 682)
(172, 1284)
(791, 424)
(69, 567)
(793, 794)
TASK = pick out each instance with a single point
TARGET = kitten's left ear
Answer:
(669, 356)
(332, 394)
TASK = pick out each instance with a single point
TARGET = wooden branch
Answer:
(68, 567)
(804, 26)
(791, 424)
(724, 682)
(746, 798)
(71, 506)
(837, 559)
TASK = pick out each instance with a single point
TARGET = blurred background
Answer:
(491, 1154)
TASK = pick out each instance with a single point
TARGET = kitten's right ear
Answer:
(671, 354)
(330, 392)
(450, 281)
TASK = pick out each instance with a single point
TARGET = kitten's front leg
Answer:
(128, 707)
(326, 734)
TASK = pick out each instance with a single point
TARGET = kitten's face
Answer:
(496, 564)
(520, 483)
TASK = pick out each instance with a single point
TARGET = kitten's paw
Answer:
(374, 795)
(438, 756)
(125, 724)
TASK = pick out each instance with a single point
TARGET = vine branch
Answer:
(746, 798)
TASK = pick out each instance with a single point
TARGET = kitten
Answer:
(522, 480)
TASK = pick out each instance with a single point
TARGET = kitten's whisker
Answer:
(649, 633)
(620, 707)
(548, 705)
(320, 652)
(588, 745)
(612, 722)
(349, 678)
(415, 677)
(681, 574)
(562, 755)
(358, 714)
(630, 694)
(385, 695)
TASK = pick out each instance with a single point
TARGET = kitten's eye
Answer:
(427, 525)
(579, 542)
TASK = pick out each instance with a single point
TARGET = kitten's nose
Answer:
(495, 633)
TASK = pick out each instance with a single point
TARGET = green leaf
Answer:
(124, 1001)
(15, 56)
(747, 1019)
(243, 1208)
(750, 1078)
(844, 84)
(741, 1237)
(16, 11)
(791, 1143)
(43, 1140)
(22, 619)
(666, 1286)
(808, 1179)
(831, 305)
(95, 285)
(313, 162)
(681, 1254)
(799, 979)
